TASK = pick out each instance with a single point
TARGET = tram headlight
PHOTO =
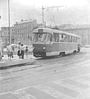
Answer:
(44, 48)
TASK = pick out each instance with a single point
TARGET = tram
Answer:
(48, 42)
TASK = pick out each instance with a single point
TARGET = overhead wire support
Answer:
(43, 15)
(43, 8)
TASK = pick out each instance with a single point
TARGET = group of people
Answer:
(21, 52)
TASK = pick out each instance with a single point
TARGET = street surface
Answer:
(55, 77)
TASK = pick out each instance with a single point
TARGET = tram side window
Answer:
(70, 38)
(60, 37)
(63, 38)
(78, 40)
(75, 39)
(49, 37)
(66, 38)
(56, 37)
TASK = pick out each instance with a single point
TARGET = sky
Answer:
(61, 11)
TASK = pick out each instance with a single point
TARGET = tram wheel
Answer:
(62, 54)
(78, 50)
(74, 51)
(44, 54)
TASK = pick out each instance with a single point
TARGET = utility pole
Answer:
(9, 34)
(43, 15)
(43, 8)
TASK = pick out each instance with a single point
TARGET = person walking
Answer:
(19, 50)
(9, 52)
(26, 51)
(22, 51)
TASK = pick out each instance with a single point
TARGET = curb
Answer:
(15, 63)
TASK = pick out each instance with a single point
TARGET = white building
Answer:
(23, 31)
(4, 34)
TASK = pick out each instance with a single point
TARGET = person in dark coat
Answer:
(26, 51)
(19, 49)
(21, 52)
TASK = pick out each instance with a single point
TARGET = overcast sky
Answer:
(71, 12)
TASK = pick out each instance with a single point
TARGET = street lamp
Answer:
(9, 35)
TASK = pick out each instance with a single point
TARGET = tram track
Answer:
(43, 72)
(46, 66)
(54, 59)
(42, 78)
(63, 63)
(57, 66)
(47, 63)
(38, 66)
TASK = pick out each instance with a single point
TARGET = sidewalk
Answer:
(17, 58)
(6, 62)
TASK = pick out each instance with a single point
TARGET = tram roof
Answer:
(49, 30)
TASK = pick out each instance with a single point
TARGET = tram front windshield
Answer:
(41, 37)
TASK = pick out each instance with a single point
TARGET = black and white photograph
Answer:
(44, 49)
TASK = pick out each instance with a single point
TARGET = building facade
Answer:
(4, 34)
(23, 31)
(82, 31)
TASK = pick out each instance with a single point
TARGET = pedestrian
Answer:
(20, 54)
(0, 55)
(26, 51)
(19, 50)
(22, 51)
(19, 45)
(9, 52)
